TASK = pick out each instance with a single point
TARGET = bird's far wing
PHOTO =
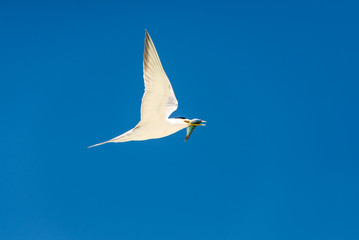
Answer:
(159, 100)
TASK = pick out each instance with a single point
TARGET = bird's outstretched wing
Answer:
(159, 100)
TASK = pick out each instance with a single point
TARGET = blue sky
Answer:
(277, 82)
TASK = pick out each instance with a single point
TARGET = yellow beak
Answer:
(194, 124)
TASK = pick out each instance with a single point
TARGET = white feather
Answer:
(158, 102)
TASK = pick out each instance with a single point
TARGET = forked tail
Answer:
(121, 138)
(99, 144)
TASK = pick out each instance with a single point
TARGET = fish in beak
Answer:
(192, 125)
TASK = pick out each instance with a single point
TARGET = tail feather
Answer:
(99, 144)
(121, 138)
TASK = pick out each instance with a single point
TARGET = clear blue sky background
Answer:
(277, 82)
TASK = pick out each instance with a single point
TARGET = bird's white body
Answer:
(145, 131)
(158, 102)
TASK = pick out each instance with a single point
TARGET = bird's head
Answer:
(195, 122)
(192, 124)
